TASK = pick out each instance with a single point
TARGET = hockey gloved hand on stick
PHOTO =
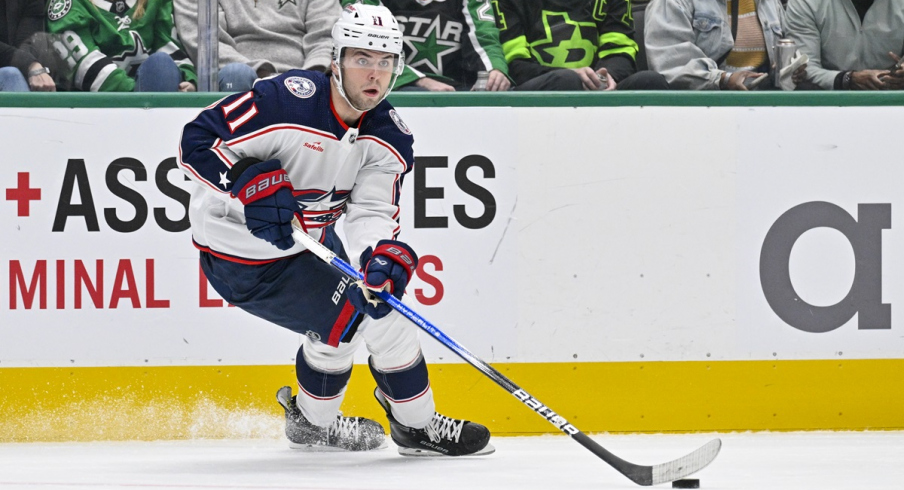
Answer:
(389, 268)
(265, 190)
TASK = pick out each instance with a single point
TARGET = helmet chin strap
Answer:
(337, 83)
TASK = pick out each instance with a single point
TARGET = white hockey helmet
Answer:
(370, 27)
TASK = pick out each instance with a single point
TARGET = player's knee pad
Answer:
(392, 342)
(328, 359)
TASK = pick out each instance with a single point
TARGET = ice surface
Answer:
(761, 461)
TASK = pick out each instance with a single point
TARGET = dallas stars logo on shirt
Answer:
(568, 43)
(428, 43)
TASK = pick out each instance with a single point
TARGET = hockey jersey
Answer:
(540, 35)
(104, 42)
(446, 39)
(334, 168)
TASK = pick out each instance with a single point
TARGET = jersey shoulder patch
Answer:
(384, 122)
(300, 87)
(398, 121)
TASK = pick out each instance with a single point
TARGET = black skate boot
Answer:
(443, 436)
(344, 434)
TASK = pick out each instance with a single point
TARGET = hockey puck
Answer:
(689, 483)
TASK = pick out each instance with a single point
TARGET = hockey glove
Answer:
(389, 267)
(265, 190)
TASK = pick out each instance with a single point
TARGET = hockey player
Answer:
(316, 146)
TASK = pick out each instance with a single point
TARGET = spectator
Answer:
(258, 39)
(120, 46)
(697, 46)
(572, 45)
(447, 43)
(851, 43)
(20, 70)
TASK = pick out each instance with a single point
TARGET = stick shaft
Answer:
(642, 475)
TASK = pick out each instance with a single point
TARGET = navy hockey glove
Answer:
(389, 267)
(265, 190)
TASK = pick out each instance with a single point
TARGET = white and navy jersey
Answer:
(334, 168)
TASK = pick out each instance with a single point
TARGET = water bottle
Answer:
(481, 84)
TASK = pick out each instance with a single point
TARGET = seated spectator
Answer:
(120, 46)
(697, 46)
(258, 39)
(852, 44)
(20, 70)
(446, 44)
(572, 45)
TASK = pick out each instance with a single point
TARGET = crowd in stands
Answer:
(462, 45)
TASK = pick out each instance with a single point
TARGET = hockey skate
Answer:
(443, 436)
(344, 434)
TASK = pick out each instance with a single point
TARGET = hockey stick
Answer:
(640, 474)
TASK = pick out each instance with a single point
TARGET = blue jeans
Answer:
(11, 80)
(158, 73)
(236, 77)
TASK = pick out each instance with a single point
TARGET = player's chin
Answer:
(370, 98)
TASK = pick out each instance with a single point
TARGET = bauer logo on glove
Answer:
(266, 191)
(270, 181)
(388, 268)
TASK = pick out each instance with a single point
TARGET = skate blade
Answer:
(316, 448)
(426, 453)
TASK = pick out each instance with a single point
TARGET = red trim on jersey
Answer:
(244, 118)
(242, 260)
(233, 258)
(278, 127)
(336, 114)
(345, 316)
(236, 103)
(388, 147)
(396, 194)
(196, 174)
(222, 156)
(333, 108)
(415, 397)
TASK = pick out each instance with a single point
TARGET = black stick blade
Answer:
(686, 465)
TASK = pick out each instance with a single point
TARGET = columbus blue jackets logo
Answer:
(300, 87)
(56, 9)
(322, 208)
(399, 122)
